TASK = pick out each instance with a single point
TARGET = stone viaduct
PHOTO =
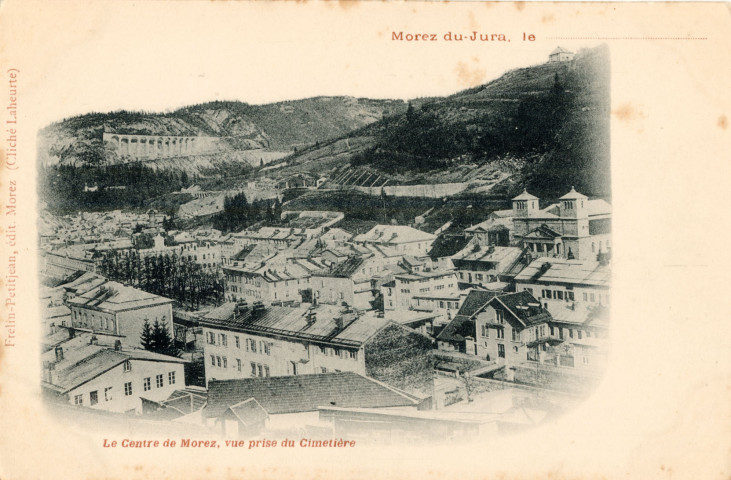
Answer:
(157, 146)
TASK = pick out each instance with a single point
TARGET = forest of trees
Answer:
(238, 213)
(171, 276)
(62, 187)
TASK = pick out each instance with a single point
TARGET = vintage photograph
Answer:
(332, 269)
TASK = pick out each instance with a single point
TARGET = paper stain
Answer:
(628, 113)
(550, 18)
(469, 76)
(519, 6)
(347, 4)
(722, 122)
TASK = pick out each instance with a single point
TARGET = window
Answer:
(253, 369)
(223, 339)
(238, 343)
(578, 333)
(159, 381)
(500, 316)
(560, 294)
(266, 370)
(354, 354)
(238, 364)
(591, 297)
(336, 352)
(78, 399)
(147, 384)
(260, 370)
(501, 350)
(293, 368)
(515, 334)
(323, 370)
(571, 333)
(211, 337)
(93, 397)
(225, 362)
(586, 360)
(323, 350)
(246, 341)
(171, 378)
(570, 296)
(267, 349)
(500, 333)
(585, 296)
(108, 394)
(127, 365)
(550, 327)
(218, 360)
(128, 389)
(253, 346)
(213, 360)
(483, 330)
(560, 333)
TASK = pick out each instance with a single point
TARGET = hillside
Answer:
(278, 127)
(545, 126)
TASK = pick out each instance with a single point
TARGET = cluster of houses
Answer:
(325, 331)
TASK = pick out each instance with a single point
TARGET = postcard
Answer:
(364, 239)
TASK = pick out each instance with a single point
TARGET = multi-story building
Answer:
(406, 286)
(575, 227)
(559, 283)
(114, 378)
(404, 240)
(115, 309)
(481, 265)
(244, 341)
(276, 280)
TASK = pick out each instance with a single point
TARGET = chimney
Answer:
(93, 340)
(49, 369)
(118, 345)
(59, 353)
(72, 332)
(339, 322)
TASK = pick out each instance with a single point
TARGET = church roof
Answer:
(525, 196)
(573, 195)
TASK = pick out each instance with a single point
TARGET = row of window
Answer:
(257, 369)
(251, 345)
(499, 332)
(83, 319)
(339, 352)
(146, 386)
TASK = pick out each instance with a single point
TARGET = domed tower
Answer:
(574, 213)
(525, 205)
(574, 205)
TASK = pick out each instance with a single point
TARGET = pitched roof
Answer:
(304, 393)
(113, 296)
(524, 306)
(394, 234)
(292, 322)
(598, 207)
(525, 196)
(456, 330)
(475, 300)
(573, 195)
(249, 412)
(559, 270)
(542, 232)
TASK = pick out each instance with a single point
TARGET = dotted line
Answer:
(627, 38)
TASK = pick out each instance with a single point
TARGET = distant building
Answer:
(407, 286)
(481, 265)
(560, 54)
(405, 240)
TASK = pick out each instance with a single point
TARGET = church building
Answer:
(574, 228)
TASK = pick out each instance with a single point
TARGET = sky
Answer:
(145, 56)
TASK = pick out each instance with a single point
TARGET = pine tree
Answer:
(146, 336)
